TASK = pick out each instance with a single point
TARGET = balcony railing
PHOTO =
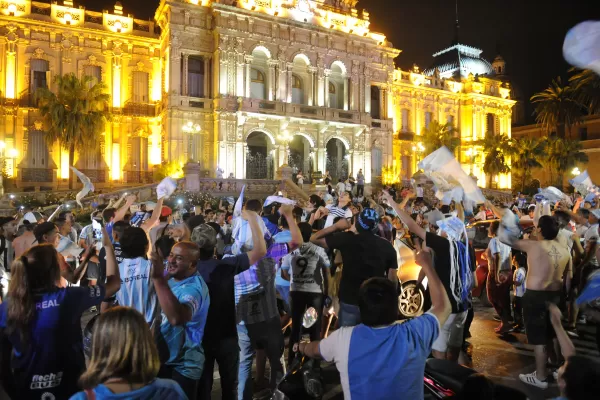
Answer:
(37, 175)
(138, 109)
(138, 177)
(407, 136)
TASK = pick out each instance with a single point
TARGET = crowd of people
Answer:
(176, 291)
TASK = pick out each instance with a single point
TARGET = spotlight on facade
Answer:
(118, 26)
(12, 8)
(68, 18)
(576, 171)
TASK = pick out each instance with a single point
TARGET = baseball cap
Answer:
(204, 236)
(166, 211)
(368, 219)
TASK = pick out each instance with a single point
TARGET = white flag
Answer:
(88, 186)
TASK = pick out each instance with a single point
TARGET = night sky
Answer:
(528, 33)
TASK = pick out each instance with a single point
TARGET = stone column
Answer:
(240, 160)
(248, 61)
(367, 94)
(184, 78)
(271, 80)
(290, 70)
(223, 70)
(192, 177)
(345, 93)
(326, 88)
(320, 87)
(311, 85)
(240, 73)
(206, 84)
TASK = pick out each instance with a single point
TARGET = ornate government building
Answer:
(244, 86)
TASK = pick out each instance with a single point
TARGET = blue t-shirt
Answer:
(158, 389)
(186, 355)
(137, 288)
(52, 360)
(381, 363)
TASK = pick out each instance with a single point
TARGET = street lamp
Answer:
(419, 149)
(191, 129)
(286, 138)
(576, 171)
(472, 154)
(11, 154)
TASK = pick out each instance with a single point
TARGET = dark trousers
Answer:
(499, 295)
(518, 310)
(468, 322)
(189, 386)
(226, 353)
(300, 301)
(360, 190)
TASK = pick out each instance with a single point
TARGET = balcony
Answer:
(138, 109)
(138, 176)
(385, 124)
(406, 136)
(37, 175)
(300, 111)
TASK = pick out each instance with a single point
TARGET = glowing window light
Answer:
(64, 165)
(116, 162)
(12, 8)
(68, 18)
(10, 75)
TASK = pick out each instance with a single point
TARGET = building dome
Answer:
(459, 61)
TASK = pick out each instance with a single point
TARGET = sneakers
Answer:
(531, 379)
(555, 374)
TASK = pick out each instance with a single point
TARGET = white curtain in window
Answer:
(195, 76)
(451, 119)
(405, 122)
(94, 71)
(39, 74)
(140, 87)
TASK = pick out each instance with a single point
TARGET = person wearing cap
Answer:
(220, 340)
(530, 213)
(160, 229)
(364, 254)
(8, 231)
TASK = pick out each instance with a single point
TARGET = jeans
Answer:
(265, 335)
(189, 386)
(349, 315)
(227, 355)
(360, 190)
(300, 302)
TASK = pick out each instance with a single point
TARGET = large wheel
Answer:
(410, 301)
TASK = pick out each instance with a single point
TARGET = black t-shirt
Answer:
(441, 249)
(102, 259)
(218, 275)
(365, 256)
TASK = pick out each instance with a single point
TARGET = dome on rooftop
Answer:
(459, 61)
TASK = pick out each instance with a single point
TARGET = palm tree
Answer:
(586, 84)
(75, 115)
(496, 149)
(557, 108)
(438, 135)
(527, 153)
(563, 155)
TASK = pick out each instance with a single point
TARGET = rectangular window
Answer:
(405, 121)
(140, 87)
(450, 120)
(428, 117)
(95, 72)
(39, 75)
(195, 76)
(583, 133)
(375, 102)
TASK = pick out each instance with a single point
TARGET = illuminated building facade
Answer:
(244, 86)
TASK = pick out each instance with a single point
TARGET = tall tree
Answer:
(75, 115)
(497, 148)
(438, 135)
(561, 156)
(586, 84)
(557, 108)
(527, 154)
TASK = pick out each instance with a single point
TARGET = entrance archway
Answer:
(337, 159)
(299, 157)
(259, 158)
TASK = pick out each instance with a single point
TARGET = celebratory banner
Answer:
(553, 195)
(584, 185)
(166, 188)
(447, 174)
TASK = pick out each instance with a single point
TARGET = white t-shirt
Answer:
(481, 216)
(306, 265)
(504, 252)
(335, 212)
(519, 277)
(419, 192)
(340, 187)
(565, 237)
(300, 179)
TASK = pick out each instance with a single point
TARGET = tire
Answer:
(410, 300)
(483, 297)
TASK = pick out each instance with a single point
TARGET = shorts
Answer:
(93, 271)
(536, 315)
(451, 334)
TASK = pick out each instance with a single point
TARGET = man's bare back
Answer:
(23, 243)
(547, 261)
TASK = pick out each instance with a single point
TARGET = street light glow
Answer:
(576, 171)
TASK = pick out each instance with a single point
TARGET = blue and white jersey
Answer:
(137, 288)
(50, 363)
(186, 355)
(158, 389)
(382, 363)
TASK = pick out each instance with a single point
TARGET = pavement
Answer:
(502, 358)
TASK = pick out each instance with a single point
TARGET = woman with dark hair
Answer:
(41, 348)
(124, 362)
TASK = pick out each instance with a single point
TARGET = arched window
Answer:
(257, 84)
(297, 90)
(331, 88)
